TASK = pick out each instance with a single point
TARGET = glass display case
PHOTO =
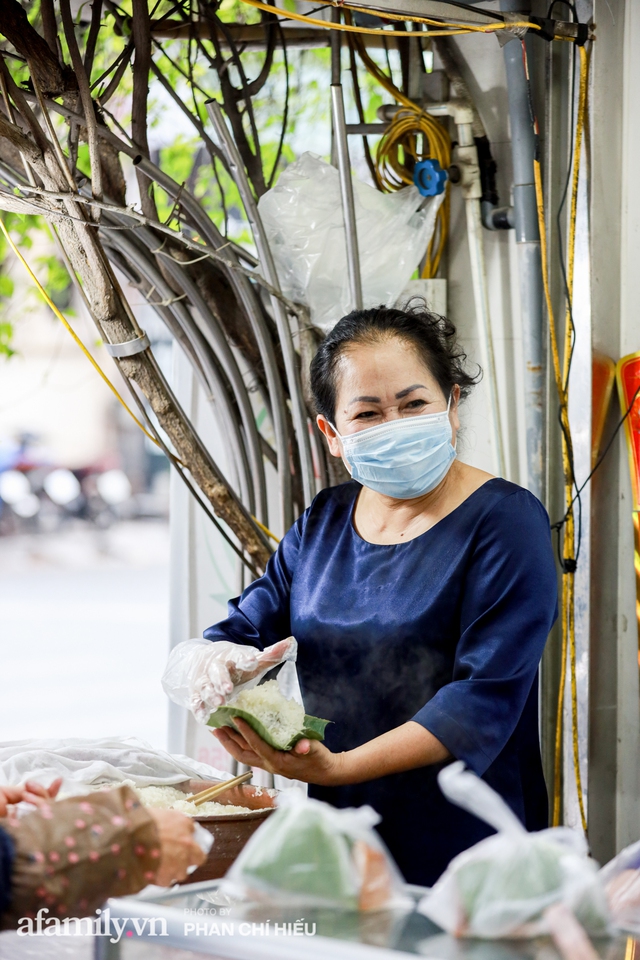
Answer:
(202, 919)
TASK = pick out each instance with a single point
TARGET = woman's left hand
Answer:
(309, 760)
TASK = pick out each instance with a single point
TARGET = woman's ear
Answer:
(335, 448)
(453, 412)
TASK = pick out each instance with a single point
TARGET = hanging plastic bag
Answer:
(502, 886)
(202, 675)
(621, 881)
(309, 853)
(302, 217)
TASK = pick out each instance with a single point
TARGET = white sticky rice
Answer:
(281, 717)
(170, 798)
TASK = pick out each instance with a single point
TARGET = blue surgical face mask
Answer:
(404, 458)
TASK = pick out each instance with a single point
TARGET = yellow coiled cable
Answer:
(400, 142)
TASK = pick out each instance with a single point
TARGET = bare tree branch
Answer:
(52, 77)
(141, 67)
(48, 15)
(115, 322)
(94, 30)
(85, 97)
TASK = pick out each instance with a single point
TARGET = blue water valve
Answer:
(429, 177)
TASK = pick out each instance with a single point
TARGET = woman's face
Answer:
(383, 381)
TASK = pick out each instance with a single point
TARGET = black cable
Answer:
(567, 4)
(572, 563)
(357, 95)
(285, 114)
(568, 564)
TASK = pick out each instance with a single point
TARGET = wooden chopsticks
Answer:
(212, 792)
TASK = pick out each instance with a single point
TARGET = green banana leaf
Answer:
(313, 727)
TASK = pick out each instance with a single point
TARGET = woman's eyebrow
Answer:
(365, 400)
(403, 393)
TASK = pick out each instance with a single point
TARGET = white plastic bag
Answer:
(309, 853)
(302, 217)
(502, 886)
(621, 881)
(202, 674)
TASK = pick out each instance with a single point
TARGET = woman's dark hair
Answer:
(433, 337)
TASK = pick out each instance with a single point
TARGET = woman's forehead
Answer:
(391, 362)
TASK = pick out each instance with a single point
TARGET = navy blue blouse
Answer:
(6, 869)
(446, 629)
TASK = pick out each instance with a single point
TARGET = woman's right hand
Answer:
(202, 675)
(178, 849)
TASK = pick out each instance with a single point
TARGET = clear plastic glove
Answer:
(203, 674)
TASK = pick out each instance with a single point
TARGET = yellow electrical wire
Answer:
(452, 29)
(399, 142)
(265, 529)
(561, 376)
(96, 366)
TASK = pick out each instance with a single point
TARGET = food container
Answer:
(230, 832)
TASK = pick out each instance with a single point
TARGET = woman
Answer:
(421, 595)
(71, 855)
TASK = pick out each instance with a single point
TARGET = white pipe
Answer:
(467, 159)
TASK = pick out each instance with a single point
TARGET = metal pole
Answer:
(528, 249)
(348, 202)
(336, 71)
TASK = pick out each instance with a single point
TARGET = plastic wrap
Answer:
(303, 220)
(621, 881)
(502, 886)
(310, 854)
(202, 675)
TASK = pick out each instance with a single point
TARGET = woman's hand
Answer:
(202, 675)
(309, 761)
(30, 792)
(403, 748)
(178, 849)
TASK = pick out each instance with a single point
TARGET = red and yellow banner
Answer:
(628, 377)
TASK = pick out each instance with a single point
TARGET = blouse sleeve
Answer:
(71, 855)
(261, 615)
(6, 869)
(509, 607)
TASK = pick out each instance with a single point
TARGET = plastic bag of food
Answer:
(202, 675)
(309, 853)
(502, 886)
(303, 220)
(279, 720)
(621, 881)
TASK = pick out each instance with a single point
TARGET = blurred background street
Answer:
(84, 618)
